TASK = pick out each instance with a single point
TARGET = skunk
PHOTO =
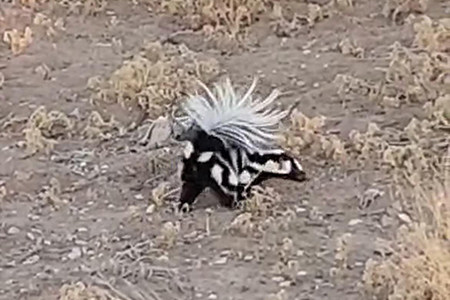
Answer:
(231, 144)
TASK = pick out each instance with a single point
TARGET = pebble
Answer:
(285, 283)
(221, 261)
(150, 209)
(13, 230)
(32, 260)
(301, 83)
(75, 253)
(405, 218)
(31, 236)
(248, 257)
(355, 222)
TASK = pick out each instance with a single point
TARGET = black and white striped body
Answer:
(230, 171)
(230, 137)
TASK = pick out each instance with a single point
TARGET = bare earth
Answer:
(88, 211)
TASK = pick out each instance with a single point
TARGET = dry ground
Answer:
(93, 216)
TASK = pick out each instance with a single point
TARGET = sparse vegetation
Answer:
(88, 189)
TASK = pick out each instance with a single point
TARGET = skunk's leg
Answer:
(189, 193)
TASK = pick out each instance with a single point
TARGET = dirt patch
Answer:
(87, 209)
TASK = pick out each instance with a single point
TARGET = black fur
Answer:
(196, 176)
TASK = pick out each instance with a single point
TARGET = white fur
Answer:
(236, 119)
(233, 179)
(245, 177)
(188, 150)
(205, 156)
(217, 173)
(298, 165)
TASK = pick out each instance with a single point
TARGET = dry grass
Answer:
(18, 41)
(229, 18)
(43, 128)
(420, 265)
(80, 291)
(307, 135)
(155, 78)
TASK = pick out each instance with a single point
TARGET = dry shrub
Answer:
(50, 26)
(350, 87)
(81, 291)
(368, 145)
(84, 7)
(423, 73)
(286, 25)
(156, 77)
(261, 213)
(98, 127)
(262, 202)
(44, 127)
(397, 10)
(307, 134)
(17, 41)
(350, 47)
(169, 234)
(408, 153)
(227, 18)
(420, 265)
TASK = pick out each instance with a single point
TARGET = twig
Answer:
(101, 280)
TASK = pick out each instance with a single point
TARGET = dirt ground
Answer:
(94, 216)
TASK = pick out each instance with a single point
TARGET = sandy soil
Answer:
(88, 210)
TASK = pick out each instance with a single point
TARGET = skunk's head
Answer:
(197, 137)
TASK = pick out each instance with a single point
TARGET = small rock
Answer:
(386, 221)
(75, 253)
(212, 296)
(163, 258)
(300, 83)
(248, 257)
(405, 218)
(301, 273)
(285, 283)
(355, 222)
(33, 217)
(30, 236)
(278, 278)
(221, 261)
(150, 209)
(139, 197)
(32, 260)
(13, 230)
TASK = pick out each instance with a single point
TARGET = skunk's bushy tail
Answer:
(240, 121)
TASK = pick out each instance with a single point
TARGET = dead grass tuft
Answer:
(18, 41)
(43, 128)
(420, 265)
(308, 134)
(398, 10)
(81, 291)
(155, 78)
(98, 127)
(225, 18)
